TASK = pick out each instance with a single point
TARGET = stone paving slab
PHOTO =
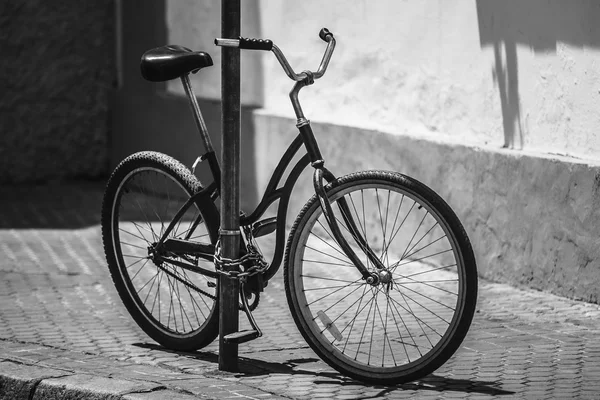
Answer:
(60, 314)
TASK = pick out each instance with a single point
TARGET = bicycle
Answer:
(379, 273)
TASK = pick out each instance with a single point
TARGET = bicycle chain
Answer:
(225, 266)
(259, 265)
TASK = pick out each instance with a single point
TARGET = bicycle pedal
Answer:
(241, 336)
(264, 227)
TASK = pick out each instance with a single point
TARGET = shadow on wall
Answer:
(540, 25)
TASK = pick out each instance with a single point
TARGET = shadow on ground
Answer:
(251, 367)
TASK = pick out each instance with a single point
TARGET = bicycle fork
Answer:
(372, 278)
(317, 162)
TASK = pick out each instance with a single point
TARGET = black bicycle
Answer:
(379, 273)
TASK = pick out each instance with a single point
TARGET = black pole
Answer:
(230, 182)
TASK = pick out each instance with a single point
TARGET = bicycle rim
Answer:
(394, 331)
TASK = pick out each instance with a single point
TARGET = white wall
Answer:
(424, 67)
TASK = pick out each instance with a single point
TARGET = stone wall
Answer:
(57, 71)
(533, 221)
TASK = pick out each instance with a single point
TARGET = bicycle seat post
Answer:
(185, 80)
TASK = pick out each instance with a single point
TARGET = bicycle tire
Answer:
(332, 305)
(179, 309)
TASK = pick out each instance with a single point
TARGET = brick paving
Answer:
(62, 323)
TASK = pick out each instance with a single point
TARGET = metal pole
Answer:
(230, 182)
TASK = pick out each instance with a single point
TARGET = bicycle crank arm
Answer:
(337, 234)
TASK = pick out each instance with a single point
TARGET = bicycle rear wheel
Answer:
(411, 322)
(174, 306)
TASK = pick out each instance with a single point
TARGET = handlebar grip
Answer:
(255, 44)
(324, 33)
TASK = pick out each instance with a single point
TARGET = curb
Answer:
(21, 381)
(36, 372)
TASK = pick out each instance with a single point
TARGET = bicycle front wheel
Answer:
(410, 322)
(174, 306)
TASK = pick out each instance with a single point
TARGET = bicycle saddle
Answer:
(172, 61)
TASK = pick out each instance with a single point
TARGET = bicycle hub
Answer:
(385, 276)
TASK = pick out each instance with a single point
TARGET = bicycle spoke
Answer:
(431, 286)
(436, 281)
(142, 267)
(413, 236)
(339, 316)
(328, 244)
(409, 310)
(325, 279)
(385, 250)
(401, 225)
(364, 326)
(353, 320)
(337, 302)
(398, 264)
(133, 245)
(146, 284)
(162, 229)
(372, 329)
(138, 261)
(154, 236)
(183, 312)
(387, 338)
(132, 256)
(194, 298)
(358, 217)
(329, 263)
(329, 287)
(328, 234)
(335, 291)
(385, 335)
(419, 241)
(138, 227)
(428, 298)
(419, 321)
(429, 270)
(325, 254)
(141, 238)
(402, 341)
(381, 218)
(171, 307)
(151, 286)
(424, 247)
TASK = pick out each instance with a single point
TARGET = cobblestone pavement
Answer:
(60, 313)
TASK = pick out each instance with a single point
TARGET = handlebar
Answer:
(268, 45)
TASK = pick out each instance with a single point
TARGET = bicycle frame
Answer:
(273, 193)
